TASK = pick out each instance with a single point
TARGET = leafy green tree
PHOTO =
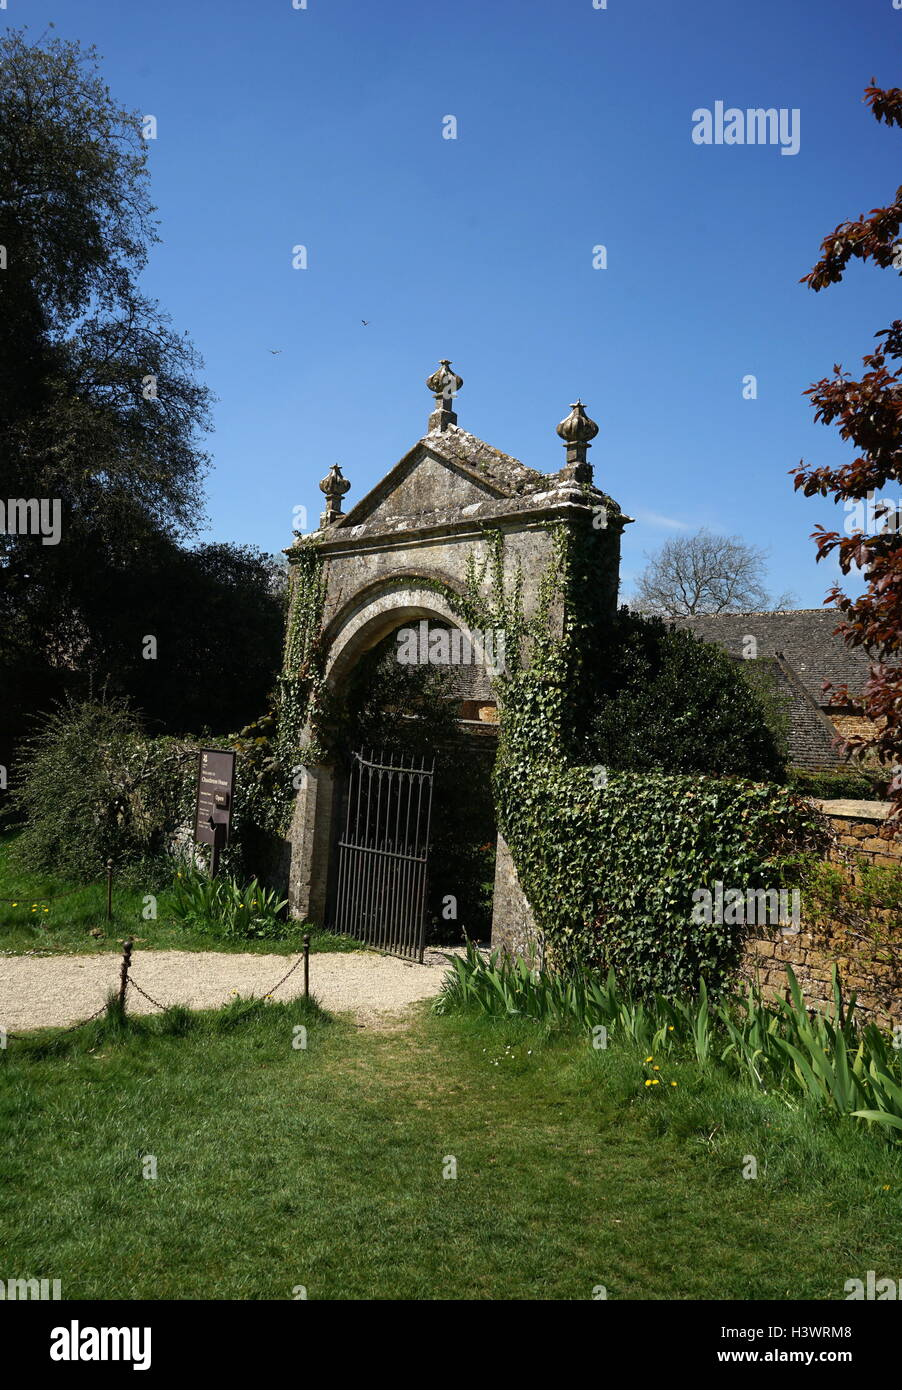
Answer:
(669, 702)
(101, 411)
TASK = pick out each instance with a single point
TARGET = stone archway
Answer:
(360, 626)
(421, 532)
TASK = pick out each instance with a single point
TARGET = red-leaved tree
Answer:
(868, 413)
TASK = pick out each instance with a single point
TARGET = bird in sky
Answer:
(275, 351)
(364, 322)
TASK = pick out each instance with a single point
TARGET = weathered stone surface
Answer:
(513, 925)
(875, 975)
(424, 525)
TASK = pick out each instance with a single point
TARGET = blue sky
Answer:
(323, 127)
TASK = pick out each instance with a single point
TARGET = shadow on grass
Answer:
(117, 1027)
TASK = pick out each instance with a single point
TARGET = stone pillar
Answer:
(514, 929)
(311, 845)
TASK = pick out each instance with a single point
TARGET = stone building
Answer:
(386, 560)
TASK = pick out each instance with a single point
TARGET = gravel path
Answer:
(37, 992)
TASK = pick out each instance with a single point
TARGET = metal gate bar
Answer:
(380, 892)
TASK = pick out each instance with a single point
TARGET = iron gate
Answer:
(380, 887)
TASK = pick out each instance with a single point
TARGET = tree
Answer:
(667, 701)
(101, 413)
(705, 573)
(868, 413)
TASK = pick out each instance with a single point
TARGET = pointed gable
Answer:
(446, 472)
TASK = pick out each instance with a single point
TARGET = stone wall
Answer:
(811, 952)
(513, 926)
(852, 725)
(869, 971)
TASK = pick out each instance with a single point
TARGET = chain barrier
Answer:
(269, 994)
(128, 978)
(61, 1033)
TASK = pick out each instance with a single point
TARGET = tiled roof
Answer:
(811, 736)
(803, 636)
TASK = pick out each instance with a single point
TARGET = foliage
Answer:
(96, 788)
(667, 700)
(859, 905)
(839, 784)
(100, 407)
(610, 871)
(224, 907)
(609, 859)
(825, 1056)
(217, 615)
(704, 573)
(868, 413)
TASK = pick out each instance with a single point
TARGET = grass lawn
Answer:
(324, 1167)
(43, 913)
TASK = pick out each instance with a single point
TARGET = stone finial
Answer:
(334, 486)
(444, 385)
(576, 431)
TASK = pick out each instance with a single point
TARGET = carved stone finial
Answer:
(334, 486)
(444, 385)
(576, 431)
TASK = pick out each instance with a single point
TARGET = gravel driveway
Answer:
(36, 992)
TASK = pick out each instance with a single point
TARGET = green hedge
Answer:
(842, 785)
(610, 871)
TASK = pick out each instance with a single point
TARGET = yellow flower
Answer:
(15, 904)
(648, 1083)
(649, 1059)
(670, 1029)
(656, 1068)
(656, 1082)
(673, 1083)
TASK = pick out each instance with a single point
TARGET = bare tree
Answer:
(705, 573)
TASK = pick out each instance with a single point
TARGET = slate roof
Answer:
(802, 636)
(811, 736)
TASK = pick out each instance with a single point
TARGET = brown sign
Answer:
(215, 794)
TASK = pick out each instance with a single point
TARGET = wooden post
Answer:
(109, 890)
(123, 974)
(306, 965)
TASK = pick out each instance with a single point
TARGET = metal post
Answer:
(109, 890)
(215, 852)
(306, 965)
(123, 974)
